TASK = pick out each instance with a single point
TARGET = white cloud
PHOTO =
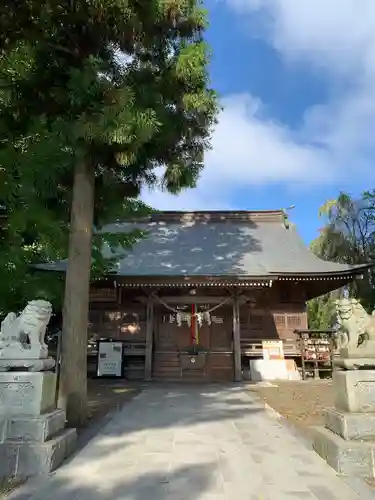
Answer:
(339, 34)
(335, 143)
(248, 150)
(337, 37)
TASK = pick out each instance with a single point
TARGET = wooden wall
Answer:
(123, 317)
(268, 314)
(117, 316)
(274, 313)
(120, 317)
(288, 308)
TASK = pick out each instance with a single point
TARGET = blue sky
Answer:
(296, 80)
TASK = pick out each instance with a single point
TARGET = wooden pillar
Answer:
(236, 340)
(149, 338)
(303, 356)
(119, 296)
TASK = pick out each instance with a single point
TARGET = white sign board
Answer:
(110, 359)
(273, 349)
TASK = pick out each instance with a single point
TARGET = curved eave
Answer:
(199, 284)
(55, 267)
(342, 274)
(188, 281)
(337, 275)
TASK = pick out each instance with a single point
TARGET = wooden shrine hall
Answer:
(204, 286)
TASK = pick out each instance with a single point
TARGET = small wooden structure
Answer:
(220, 281)
(317, 349)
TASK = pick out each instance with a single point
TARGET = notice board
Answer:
(110, 361)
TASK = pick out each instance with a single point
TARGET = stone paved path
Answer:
(195, 443)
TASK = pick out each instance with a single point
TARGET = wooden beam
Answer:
(149, 338)
(191, 299)
(242, 299)
(236, 340)
(195, 299)
(119, 296)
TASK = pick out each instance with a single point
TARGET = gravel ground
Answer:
(301, 403)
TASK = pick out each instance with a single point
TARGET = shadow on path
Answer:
(164, 407)
(192, 481)
(129, 457)
(173, 442)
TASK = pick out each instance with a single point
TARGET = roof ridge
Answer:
(213, 216)
(278, 210)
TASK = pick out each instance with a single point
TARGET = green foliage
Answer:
(348, 237)
(122, 85)
(321, 312)
(18, 282)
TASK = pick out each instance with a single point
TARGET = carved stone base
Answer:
(29, 365)
(21, 460)
(354, 391)
(347, 442)
(27, 393)
(31, 443)
(25, 429)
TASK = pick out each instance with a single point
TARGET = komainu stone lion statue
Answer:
(23, 336)
(357, 327)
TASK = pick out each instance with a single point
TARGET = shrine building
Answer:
(208, 286)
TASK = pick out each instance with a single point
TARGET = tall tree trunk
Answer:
(73, 374)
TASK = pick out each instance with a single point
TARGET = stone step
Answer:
(34, 428)
(355, 426)
(27, 459)
(183, 379)
(354, 458)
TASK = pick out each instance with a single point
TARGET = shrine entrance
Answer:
(193, 342)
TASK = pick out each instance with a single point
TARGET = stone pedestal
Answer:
(27, 393)
(357, 358)
(347, 442)
(33, 438)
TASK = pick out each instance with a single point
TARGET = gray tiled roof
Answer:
(217, 248)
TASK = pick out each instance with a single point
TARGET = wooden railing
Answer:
(254, 347)
(134, 359)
